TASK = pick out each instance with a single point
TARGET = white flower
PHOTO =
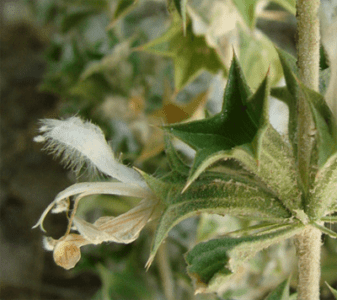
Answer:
(80, 143)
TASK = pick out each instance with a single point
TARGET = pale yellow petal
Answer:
(126, 227)
(67, 252)
(90, 232)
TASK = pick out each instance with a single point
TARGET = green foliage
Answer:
(212, 262)
(252, 141)
(190, 54)
(323, 118)
(213, 136)
(123, 8)
(241, 131)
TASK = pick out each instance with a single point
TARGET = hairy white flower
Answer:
(81, 142)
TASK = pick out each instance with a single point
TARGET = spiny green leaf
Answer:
(241, 132)
(281, 292)
(242, 121)
(191, 55)
(244, 198)
(333, 291)
(323, 193)
(212, 262)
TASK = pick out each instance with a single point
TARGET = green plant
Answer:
(243, 167)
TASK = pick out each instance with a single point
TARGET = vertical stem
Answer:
(308, 249)
(308, 243)
(308, 42)
(308, 67)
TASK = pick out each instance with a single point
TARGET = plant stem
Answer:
(308, 249)
(308, 243)
(308, 67)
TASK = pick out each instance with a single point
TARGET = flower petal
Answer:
(80, 142)
(67, 252)
(90, 232)
(126, 227)
(122, 229)
(90, 188)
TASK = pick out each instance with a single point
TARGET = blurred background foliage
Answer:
(129, 65)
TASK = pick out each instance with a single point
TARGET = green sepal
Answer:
(323, 194)
(281, 292)
(175, 162)
(332, 290)
(242, 122)
(164, 189)
(241, 198)
(213, 262)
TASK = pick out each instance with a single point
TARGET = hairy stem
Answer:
(308, 249)
(308, 243)
(308, 66)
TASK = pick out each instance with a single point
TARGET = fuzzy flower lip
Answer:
(79, 143)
